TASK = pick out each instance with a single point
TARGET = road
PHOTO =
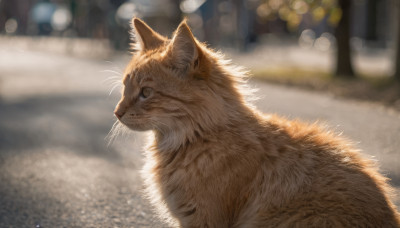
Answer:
(56, 169)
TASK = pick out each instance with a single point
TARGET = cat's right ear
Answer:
(183, 48)
(145, 37)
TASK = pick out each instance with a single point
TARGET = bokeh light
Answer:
(11, 26)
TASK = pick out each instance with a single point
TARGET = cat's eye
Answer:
(146, 92)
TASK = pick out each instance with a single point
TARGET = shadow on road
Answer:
(79, 122)
(56, 169)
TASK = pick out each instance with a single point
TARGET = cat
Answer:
(216, 161)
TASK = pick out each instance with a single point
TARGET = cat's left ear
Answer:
(184, 49)
(146, 38)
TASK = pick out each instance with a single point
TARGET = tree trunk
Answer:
(344, 67)
(372, 16)
(397, 63)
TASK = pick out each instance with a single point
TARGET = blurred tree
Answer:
(344, 67)
(335, 13)
(18, 11)
(372, 12)
(397, 61)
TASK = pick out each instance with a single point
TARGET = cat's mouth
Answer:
(136, 124)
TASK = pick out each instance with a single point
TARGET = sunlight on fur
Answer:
(213, 160)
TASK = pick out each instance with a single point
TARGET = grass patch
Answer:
(376, 88)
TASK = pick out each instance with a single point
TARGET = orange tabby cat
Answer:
(215, 161)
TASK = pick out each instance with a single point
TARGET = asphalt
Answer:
(56, 169)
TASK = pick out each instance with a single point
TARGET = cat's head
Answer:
(173, 84)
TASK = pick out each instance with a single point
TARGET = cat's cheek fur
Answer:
(135, 123)
(138, 125)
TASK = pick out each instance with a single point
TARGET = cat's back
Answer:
(272, 172)
(315, 175)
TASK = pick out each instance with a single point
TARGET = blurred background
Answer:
(231, 23)
(337, 61)
(341, 38)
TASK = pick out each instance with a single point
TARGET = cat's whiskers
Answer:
(115, 85)
(112, 133)
(116, 69)
(112, 74)
(116, 82)
(111, 71)
(111, 79)
(118, 129)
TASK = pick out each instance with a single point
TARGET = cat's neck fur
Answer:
(230, 110)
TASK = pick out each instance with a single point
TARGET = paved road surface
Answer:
(57, 171)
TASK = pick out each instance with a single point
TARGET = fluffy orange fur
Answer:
(215, 161)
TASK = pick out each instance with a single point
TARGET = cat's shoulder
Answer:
(314, 134)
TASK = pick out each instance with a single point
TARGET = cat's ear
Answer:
(184, 49)
(146, 38)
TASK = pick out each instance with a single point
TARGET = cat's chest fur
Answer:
(224, 174)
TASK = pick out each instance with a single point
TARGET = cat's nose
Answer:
(117, 115)
(120, 110)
